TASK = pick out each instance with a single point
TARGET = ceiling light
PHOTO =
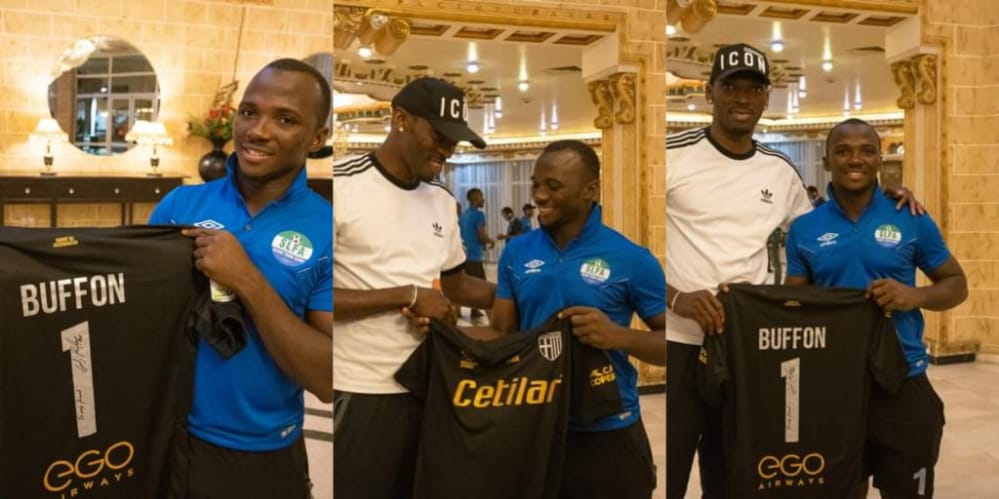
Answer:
(364, 51)
(554, 123)
(522, 86)
(473, 58)
(670, 30)
(498, 108)
(827, 65)
(846, 100)
(543, 128)
(858, 102)
(691, 106)
(388, 128)
(802, 90)
(777, 44)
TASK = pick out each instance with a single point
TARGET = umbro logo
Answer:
(766, 196)
(209, 224)
(438, 229)
(533, 266)
(827, 239)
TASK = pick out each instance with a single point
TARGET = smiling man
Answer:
(396, 234)
(725, 195)
(268, 239)
(858, 240)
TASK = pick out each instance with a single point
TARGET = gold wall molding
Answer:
(618, 91)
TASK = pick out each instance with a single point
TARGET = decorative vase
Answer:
(212, 165)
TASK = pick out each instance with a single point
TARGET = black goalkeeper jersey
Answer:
(496, 413)
(96, 359)
(792, 374)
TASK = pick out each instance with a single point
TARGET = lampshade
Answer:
(48, 131)
(149, 133)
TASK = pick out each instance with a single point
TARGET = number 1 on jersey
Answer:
(76, 341)
(790, 371)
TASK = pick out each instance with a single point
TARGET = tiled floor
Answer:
(969, 456)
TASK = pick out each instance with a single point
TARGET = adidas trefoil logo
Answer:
(438, 230)
(766, 196)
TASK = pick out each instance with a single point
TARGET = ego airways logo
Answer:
(91, 469)
(791, 470)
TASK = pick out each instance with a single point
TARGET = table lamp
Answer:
(47, 132)
(151, 133)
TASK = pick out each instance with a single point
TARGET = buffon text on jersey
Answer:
(72, 294)
(792, 338)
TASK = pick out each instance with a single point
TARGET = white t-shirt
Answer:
(720, 210)
(386, 234)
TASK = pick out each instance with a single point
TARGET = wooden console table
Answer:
(65, 189)
(122, 190)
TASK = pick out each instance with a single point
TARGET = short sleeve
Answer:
(649, 289)
(480, 219)
(504, 281)
(321, 298)
(798, 205)
(796, 265)
(163, 213)
(456, 251)
(931, 251)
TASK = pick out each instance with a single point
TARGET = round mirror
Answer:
(101, 86)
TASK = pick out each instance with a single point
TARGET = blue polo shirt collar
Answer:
(300, 184)
(878, 201)
(590, 229)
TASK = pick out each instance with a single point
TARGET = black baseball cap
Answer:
(738, 58)
(440, 103)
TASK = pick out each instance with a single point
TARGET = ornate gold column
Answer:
(927, 169)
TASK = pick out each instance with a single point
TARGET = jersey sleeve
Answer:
(163, 213)
(796, 264)
(649, 286)
(480, 219)
(504, 282)
(931, 251)
(886, 360)
(798, 205)
(321, 298)
(415, 372)
(456, 251)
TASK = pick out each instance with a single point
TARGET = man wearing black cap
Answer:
(725, 195)
(396, 237)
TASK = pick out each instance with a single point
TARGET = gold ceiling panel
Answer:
(781, 13)
(881, 21)
(529, 36)
(735, 9)
(478, 33)
(427, 29)
(834, 17)
(577, 39)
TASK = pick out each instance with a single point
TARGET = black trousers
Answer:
(207, 471)
(691, 427)
(375, 439)
(614, 464)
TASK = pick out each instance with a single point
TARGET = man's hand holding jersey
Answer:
(592, 327)
(220, 256)
(430, 304)
(702, 307)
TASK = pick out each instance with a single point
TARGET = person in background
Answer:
(476, 238)
(514, 226)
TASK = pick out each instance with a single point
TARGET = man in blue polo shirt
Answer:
(475, 236)
(859, 240)
(598, 278)
(269, 239)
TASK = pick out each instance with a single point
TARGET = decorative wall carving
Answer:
(616, 91)
(916, 78)
(693, 15)
(600, 94)
(623, 90)
(925, 69)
